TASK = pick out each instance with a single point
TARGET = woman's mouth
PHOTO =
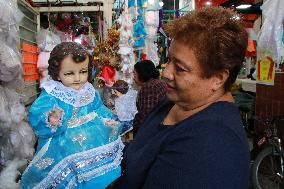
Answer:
(169, 87)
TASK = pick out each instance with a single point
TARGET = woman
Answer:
(152, 90)
(195, 140)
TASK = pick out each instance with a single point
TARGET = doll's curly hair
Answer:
(121, 86)
(217, 38)
(64, 49)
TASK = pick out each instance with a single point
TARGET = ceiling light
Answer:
(161, 3)
(208, 3)
(236, 17)
(77, 40)
(243, 6)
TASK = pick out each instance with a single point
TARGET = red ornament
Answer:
(143, 56)
(108, 75)
(66, 18)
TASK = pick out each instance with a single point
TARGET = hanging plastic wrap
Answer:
(17, 109)
(11, 108)
(5, 116)
(270, 37)
(23, 139)
(42, 62)
(10, 174)
(10, 16)
(6, 148)
(47, 40)
(17, 83)
(16, 137)
(16, 145)
(10, 64)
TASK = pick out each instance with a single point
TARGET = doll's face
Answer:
(73, 74)
(117, 93)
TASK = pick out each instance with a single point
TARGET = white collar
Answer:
(76, 98)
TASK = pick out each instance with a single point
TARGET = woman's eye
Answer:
(179, 69)
(84, 71)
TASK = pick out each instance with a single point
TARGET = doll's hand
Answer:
(54, 117)
(111, 123)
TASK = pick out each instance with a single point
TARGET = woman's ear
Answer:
(219, 79)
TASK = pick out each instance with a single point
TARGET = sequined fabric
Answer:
(101, 159)
(44, 163)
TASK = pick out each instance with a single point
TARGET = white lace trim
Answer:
(76, 122)
(57, 174)
(76, 98)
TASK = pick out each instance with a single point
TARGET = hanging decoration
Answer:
(269, 46)
(106, 58)
(126, 43)
(266, 70)
(151, 25)
(136, 10)
(74, 23)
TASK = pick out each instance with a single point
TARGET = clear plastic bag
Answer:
(10, 16)
(23, 140)
(270, 36)
(5, 116)
(10, 64)
(47, 40)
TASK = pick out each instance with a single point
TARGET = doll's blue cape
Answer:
(84, 151)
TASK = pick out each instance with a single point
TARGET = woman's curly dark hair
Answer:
(146, 70)
(217, 38)
(64, 49)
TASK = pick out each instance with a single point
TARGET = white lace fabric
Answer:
(76, 98)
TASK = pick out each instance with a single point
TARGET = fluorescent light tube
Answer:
(243, 6)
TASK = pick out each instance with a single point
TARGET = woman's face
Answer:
(73, 74)
(136, 78)
(183, 75)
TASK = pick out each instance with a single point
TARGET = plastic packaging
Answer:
(10, 64)
(47, 40)
(270, 36)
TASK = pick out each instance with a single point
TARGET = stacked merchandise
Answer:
(16, 136)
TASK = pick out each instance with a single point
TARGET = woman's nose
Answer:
(167, 72)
